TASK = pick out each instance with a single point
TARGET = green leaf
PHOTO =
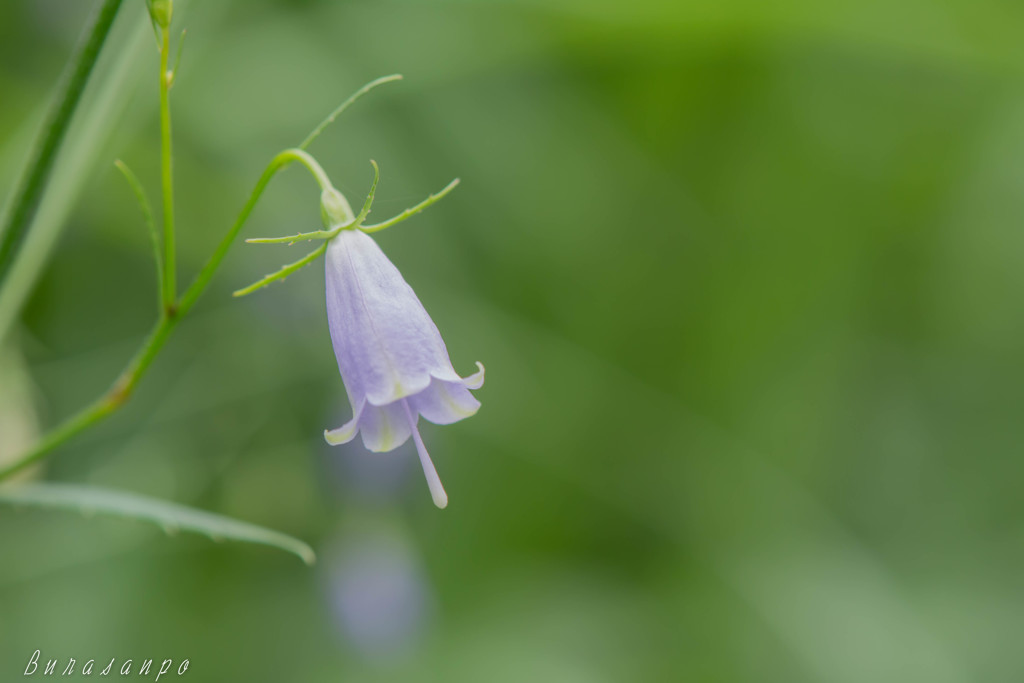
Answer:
(170, 516)
(91, 130)
(14, 224)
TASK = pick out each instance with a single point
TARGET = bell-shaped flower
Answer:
(391, 356)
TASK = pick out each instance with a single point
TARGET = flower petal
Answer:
(384, 428)
(444, 402)
(386, 345)
(347, 431)
(476, 380)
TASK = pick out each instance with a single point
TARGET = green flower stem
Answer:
(357, 222)
(16, 222)
(122, 389)
(105, 405)
(175, 309)
(170, 291)
(277, 163)
(325, 235)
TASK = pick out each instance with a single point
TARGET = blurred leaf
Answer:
(99, 112)
(170, 516)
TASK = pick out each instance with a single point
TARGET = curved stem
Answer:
(118, 393)
(16, 222)
(170, 287)
(122, 389)
(304, 158)
(282, 160)
(174, 308)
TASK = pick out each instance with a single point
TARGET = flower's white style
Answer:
(391, 356)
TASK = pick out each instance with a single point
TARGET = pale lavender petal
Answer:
(379, 591)
(347, 431)
(384, 428)
(385, 342)
(444, 402)
(476, 380)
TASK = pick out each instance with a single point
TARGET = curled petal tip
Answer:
(476, 380)
(336, 437)
(440, 499)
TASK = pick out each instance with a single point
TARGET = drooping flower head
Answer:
(391, 356)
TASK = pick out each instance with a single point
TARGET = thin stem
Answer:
(147, 214)
(129, 378)
(304, 158)
(285, 271)
(170, 289)
(15, 223)
(173, 313)
(118, 393)
(286, 157)
(410, 212)
(345, 105)
(325, 234)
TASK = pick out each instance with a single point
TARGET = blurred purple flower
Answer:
(391, 356)
(379, 595)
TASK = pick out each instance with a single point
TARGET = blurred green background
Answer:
(745, 277)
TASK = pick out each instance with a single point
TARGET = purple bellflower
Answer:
(391, 356)
(392, 359)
